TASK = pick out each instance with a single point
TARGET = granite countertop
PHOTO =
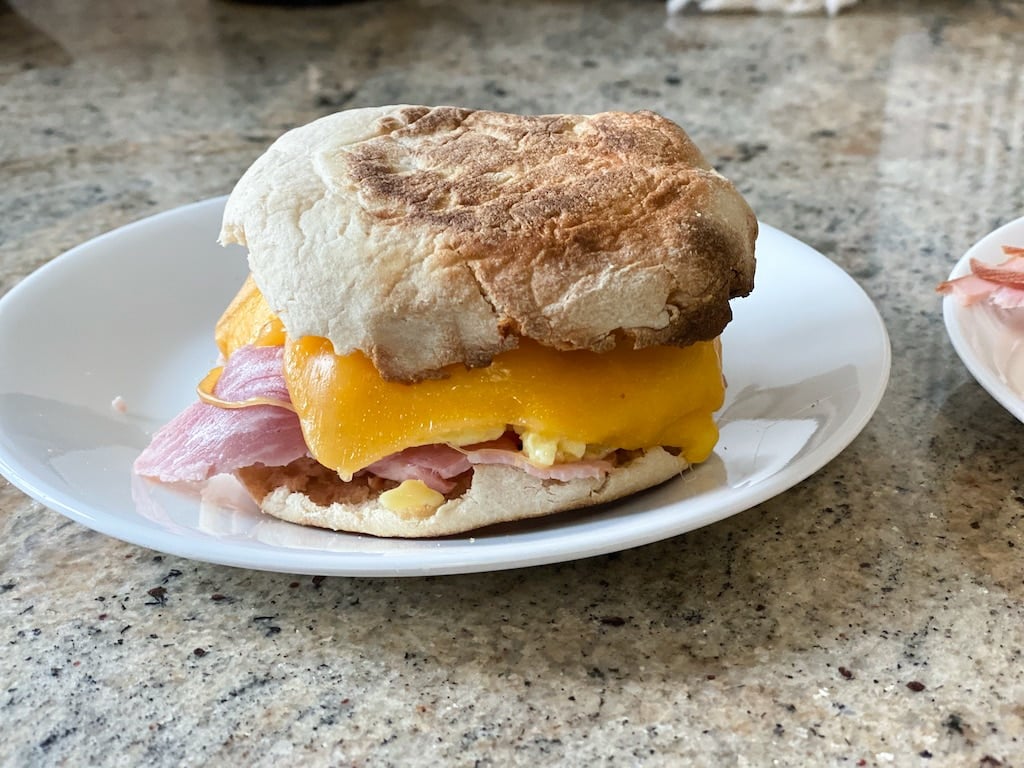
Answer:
(871, 615)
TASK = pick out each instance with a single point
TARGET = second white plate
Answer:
(989, 341)
(131, 315)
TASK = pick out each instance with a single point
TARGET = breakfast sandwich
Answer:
(456, 318)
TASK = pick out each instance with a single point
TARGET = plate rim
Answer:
(544, 550)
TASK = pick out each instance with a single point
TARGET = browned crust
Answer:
(533, 203)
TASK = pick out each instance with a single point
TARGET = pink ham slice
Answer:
(1010, 272)
(204, 440)
(1007, 298)
(505, 450)
(1001, 284)
(434, 465)
(575, 470)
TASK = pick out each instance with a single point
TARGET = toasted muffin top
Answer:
(426, 236)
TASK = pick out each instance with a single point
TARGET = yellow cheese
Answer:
(625, 398)
(248, 320)
(545, 451)
(560, 402)
(413, 498)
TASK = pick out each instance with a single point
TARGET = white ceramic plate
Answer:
(990, 341)
(130, 315)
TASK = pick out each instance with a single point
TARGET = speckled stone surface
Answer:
(872, 615)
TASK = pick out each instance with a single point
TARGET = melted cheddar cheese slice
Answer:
(351, 417)
(248, 320)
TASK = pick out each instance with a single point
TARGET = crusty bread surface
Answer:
(430, 236)
(496, 494)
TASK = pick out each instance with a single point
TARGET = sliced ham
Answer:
(1007, 297)
(969, 289)
(204, 440)
(254, 372)
(574, 470)
(505, 450)
(1001, 284)
(1010, 272)
(434, 465)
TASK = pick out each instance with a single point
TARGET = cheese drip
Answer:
(631, 399)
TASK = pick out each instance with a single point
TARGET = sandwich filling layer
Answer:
(555, 416)
(564, 406)
(460, 317)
